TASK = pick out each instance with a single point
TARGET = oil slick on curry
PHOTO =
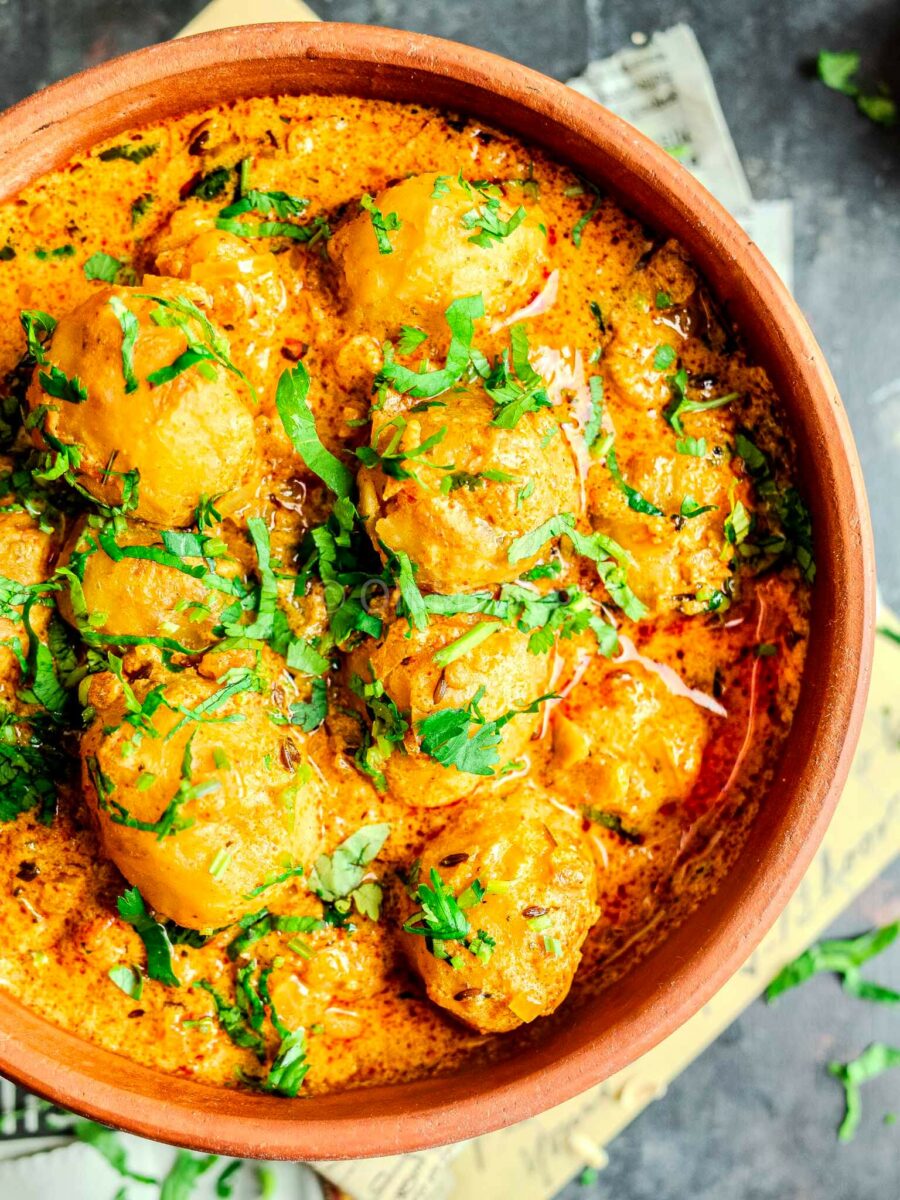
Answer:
(404, 593)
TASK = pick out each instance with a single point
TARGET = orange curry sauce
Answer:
(601, 815)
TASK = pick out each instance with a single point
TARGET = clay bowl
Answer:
(672, 982)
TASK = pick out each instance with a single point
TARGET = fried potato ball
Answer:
(524, 923)
(682, 558)
(499, 670)
(625, 744)
(188, 436)
(140, 597)
(244, 284)
(471, 495)
(200, 797)
(436, 247)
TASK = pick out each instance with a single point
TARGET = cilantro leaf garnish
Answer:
(103, 266)
(404, 572)
(530, 543)
(583, 222)
(843, 957)
(288, 873)
(410, 339)
(38, 327)
(131, 153)
(338, 878)
(130, 329)
(695, 447)
(61, 386)
(300, 426)
(254, 926)
(783, 507)
(463, 738)
(441, 917)
(290, 1066)
(156, 941)
(690, 509)
(281, 204)
(679, 406)
(390, 458)
(664, 357)
(425, 385)
(232, 1018)
(486, 221)
(838, 70)
(636, 502)
(140, 207)
(613, 822)
(520, 391)
(382, 223)
(595, 420)
(874, 1060)
(466, 643)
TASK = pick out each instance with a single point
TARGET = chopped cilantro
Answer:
(463, 738)
(583, 222)
(636, 502)
(518, 392)
(874, 1060)
(695, 447)
(103, 266)
(838, 71)
(130, 329)
(128, 980)
(288, 873)
(466, 643)
(382, 223)
(842, 957)
(141, 206)
(690, 508)
(663, 300)
(679, 406)
(410, 339)
(339, 878)
(281, 204)
(58, 384)
(130, 153)
(664, 357)
(613, 822)
(300, 426)
(425, 385)
(211, 185)
(156, 941)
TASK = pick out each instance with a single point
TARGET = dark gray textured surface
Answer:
(754, 1117)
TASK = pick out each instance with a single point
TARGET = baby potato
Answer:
(402, 663)
(439, 251)
(524, 887)
(138, 596)
(244, 284)
(625, 744)
(188, 436)
(682, 559)
(458, 519)
(200, 797)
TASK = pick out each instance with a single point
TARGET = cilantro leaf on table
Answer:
(843, 957)
(874, 1060)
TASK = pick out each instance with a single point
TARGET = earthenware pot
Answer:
(673, 982)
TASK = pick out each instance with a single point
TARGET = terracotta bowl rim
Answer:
(43, 131)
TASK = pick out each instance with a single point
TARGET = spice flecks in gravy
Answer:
(404, 593)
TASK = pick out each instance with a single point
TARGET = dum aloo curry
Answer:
(404, 593)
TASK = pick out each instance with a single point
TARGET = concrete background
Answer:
(754, 1117)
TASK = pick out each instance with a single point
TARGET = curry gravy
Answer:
(652, 760)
